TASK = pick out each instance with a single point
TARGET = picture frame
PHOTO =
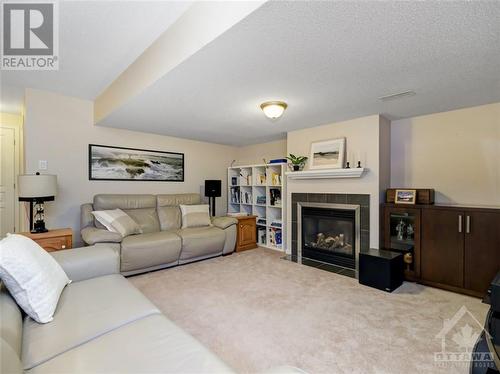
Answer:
(406, 196)
(111, 163)
(327, 154)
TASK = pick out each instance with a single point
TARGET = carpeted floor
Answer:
(257, 311)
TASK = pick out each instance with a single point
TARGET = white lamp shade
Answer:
(36, 186)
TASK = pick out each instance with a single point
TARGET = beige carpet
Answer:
(257, 311)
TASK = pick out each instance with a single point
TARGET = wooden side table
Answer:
(53, 240)
(246, 233)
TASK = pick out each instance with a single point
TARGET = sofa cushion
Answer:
(178, 199)
(116, 220)
(150, 345)
(142, 208)
(170, 217)
(86, 310)
(9, 360)
(89, 262)
(146, 218)
(146, 250)
(168, 208)
(11, 321)
(198, 242)
(195, 215)
(123, 201)
(34, 279)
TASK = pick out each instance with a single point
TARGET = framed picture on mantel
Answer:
(131, 164)
(327, 154)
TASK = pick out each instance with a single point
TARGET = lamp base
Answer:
(39, 227)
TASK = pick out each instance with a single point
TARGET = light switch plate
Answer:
(42, 164)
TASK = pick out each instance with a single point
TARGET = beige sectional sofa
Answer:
(102, 324)
(163, 243)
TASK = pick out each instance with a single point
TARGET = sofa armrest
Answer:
(224, 222)
(228, 224)
(93, 235)
(88, 262)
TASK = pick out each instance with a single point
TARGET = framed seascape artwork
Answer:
(406, 197)
(327, 154)
(130, 164)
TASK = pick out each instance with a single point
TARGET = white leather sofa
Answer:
(163, 242)
(102, 324)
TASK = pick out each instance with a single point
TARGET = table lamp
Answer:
(36, 189)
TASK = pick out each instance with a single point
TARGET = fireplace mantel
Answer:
(327, 173)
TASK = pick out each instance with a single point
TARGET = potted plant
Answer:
(298, 162)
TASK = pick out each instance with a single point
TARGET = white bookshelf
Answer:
(260, 190)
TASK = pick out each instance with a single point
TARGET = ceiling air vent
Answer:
(397, 96)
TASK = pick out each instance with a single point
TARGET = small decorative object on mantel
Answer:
(328, 154)
(406, 197)
(297, 162)
(347, 165)
(359, 164)
(424, 195)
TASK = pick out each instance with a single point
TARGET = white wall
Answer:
(457, 153)
(254, 154)
(364, 139)
(59, 129)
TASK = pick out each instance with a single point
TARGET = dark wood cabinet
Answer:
(482, 249)
(442, 251)
(458, 247)
(406, 241)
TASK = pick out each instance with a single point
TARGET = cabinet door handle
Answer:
(459, 223)
(467, 224)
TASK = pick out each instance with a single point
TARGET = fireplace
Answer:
(329, 233)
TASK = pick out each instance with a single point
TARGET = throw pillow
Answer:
(195, 216)
(32, 276)
(117, 221)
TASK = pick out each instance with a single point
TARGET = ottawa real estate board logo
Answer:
(30, 39)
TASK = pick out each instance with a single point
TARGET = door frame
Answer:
(15, 122)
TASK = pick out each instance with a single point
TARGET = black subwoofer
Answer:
(381, 269)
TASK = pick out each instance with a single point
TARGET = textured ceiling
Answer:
(330, 61)
(97, 41)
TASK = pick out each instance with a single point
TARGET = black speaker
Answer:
(213, 188)
(381, 269)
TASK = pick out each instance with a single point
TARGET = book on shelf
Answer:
(275, 179)
(235, 195)
(278, 237)
(275, 196)
(261, 200)
(261, 235)
(246, 197)
(261, 221)
(275, 236)
(276, 223)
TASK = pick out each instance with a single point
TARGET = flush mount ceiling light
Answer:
(273, 109)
